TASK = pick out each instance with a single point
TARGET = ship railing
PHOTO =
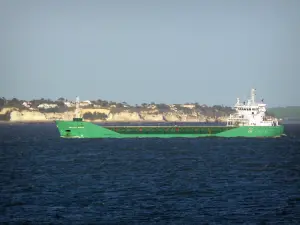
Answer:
(237, 121)
(270, 122)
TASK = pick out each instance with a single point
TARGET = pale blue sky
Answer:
(142, 51)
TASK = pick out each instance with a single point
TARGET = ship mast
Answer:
(77, 109)
(253, 95)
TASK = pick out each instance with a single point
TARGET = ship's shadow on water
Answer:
(50, 180)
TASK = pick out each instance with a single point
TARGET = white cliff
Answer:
(17, 115)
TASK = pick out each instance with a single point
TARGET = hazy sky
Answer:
(142, 51)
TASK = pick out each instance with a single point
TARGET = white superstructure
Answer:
(250, 114)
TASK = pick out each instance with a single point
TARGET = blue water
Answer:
(48, 180)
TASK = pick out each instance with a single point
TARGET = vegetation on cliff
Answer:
(94, 116)
(212, 111)
(5, 116)
(177, 111)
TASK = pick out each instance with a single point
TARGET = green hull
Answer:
(81, 129)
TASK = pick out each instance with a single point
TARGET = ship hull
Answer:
(82, 129)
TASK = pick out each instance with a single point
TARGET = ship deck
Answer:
(168, 129)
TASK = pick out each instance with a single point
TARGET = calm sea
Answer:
(48, 180)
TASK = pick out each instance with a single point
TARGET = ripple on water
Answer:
(45, 179)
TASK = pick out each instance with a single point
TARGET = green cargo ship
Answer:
(248, 121)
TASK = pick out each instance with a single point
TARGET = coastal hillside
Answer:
(101, 110)
(290, 114)
(286, 112)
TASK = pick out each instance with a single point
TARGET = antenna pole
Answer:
(253, 95)
(77, 109)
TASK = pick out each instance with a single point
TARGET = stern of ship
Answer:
(254, 131)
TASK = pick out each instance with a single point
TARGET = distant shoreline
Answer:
(290, 122)
(106, 122)
(130, 122)
(33, 121)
